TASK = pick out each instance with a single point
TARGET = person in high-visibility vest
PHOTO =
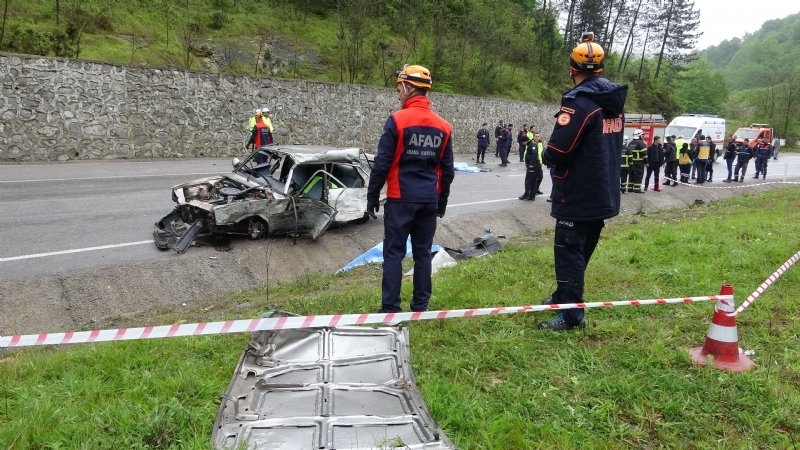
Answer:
(701, 161)
(638, 156)
(685, 161)
(625, 166)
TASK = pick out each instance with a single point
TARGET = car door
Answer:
(348, 192)
(297, 213)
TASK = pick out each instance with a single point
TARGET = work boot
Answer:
(524, 197)
(727, 180)
(736, 179)
(559, 324)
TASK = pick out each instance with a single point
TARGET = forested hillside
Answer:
(763, 73)
(499, 48)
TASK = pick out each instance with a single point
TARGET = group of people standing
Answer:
(742, 152)
(260, 128)
(695, 158)
(530, 152)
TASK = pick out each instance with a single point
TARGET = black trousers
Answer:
(401, 220)
(533, 178)
(740, 165)
(623, 179)
(652, 170)
(521, 152)
(538, 181)
(635, 176)
(481, 154)
(573, 247)
(671, 172)
(761, 166)
(701, 165)
(685, 168)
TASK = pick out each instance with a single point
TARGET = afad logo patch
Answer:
(563, 119)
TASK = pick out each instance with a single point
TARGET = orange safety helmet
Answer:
(416, 75)
(587, 56)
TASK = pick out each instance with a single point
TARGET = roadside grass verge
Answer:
(491, 382)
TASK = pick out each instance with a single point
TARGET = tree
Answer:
(790, 101)
(5, 16)
(701, 90)
(680, 32)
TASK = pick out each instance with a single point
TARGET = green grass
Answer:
(493, 382)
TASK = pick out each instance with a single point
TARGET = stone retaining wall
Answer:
(61, 109)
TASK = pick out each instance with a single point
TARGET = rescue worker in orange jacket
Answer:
(415, 161)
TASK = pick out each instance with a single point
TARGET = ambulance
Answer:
(693, 125)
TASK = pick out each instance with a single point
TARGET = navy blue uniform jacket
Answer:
(583, 151)
(415, 155)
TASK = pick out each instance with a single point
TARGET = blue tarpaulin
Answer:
(375, 255)
(464, 167)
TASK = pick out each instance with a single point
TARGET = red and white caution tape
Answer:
(299, 322)
(772, 278)
(732, 185)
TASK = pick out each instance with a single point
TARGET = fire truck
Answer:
(755, 132)
(652, 125)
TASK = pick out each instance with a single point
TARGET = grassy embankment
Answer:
(493, 382)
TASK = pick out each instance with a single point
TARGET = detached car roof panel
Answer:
(328, 388)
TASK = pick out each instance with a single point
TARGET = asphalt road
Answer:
(76, 246)
(61, 217)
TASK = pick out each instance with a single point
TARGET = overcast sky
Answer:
(726, 19)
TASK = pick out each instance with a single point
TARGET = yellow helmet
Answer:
(416, 75)
(587, 56)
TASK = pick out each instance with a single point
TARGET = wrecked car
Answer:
(276, 190)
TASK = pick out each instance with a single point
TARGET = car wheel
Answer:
(256, 229)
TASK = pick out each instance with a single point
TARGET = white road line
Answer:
(482, 202)
(75, 250)
(110, 177)
(128, 244)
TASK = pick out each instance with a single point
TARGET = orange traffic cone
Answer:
(722, 340)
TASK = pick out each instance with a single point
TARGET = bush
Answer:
(25, 39)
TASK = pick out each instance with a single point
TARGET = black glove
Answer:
(372, 208)
(442, 207)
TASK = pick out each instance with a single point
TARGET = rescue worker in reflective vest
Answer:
(584, 156)
(259, 137)
(415, 161)
(625, 166)
(638, 157)
(685, 161)
(763, 152)
(744, 154)
(701, 161)
(531, 159)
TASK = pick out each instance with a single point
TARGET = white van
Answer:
(693, 125)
